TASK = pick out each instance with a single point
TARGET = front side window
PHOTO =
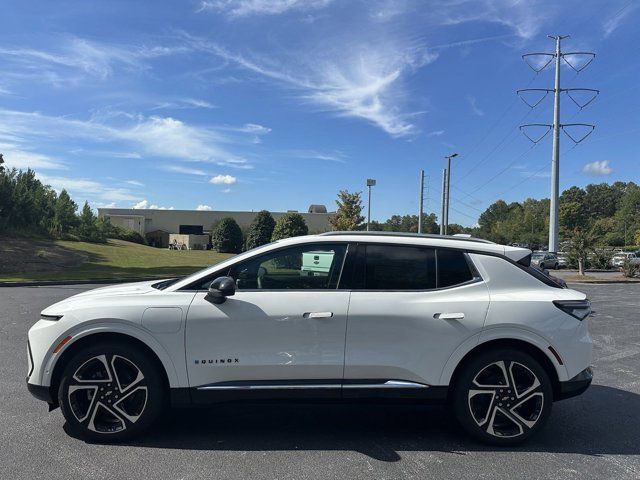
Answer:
(303, 267)
(390, 267)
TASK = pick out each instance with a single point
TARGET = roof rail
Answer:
(406, 234)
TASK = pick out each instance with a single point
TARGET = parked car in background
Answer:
(563, 260)
(544, 260)
(619, 258)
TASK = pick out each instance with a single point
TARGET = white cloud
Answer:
(474, 105)
(144, 205)
(203, 208)
(183, 103)
(159, 136)
(185, 170)
(435, 133)
(70, 58)
(242, 8)
(598, 168)
(226, 190)
(335, 156)
(612, 23)
(15, 157)
(524, 18)
(223, 180)
(364, 81)
(86, 189)
(135, 183)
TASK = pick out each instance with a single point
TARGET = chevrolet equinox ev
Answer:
(341, 316)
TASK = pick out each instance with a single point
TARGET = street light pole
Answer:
(421, 201)
(448, 197)
(444, 188)
(370, 183)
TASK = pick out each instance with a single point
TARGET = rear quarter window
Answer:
(453, 268)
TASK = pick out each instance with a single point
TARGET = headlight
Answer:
(579, 309)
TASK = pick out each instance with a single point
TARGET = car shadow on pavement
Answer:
(604, 420)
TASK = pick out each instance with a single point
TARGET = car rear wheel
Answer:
(502, 397)
(110, 392)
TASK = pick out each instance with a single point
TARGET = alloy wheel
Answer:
(506, 399)
(108, 393)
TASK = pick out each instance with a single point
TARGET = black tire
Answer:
(504, 415)
(110, 392)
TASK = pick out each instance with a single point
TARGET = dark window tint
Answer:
(389, 267)
(453, 268)
(302, 267)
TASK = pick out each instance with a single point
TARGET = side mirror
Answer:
(220, 289)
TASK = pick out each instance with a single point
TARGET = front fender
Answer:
(117, 327)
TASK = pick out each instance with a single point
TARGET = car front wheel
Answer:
(502, 397)
(110, 392)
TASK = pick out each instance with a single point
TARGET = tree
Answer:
(227, 236)
(260, 230)
(289, 225)
(64, 217)
(88, 228)
(581, 243)
(348, 216)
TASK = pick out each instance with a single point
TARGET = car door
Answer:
(410, 308)
(283, 331)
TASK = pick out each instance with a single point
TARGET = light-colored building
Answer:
(158, 223)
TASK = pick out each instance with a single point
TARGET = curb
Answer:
(97, 281)
(604, 282)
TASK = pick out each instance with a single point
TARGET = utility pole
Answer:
(370, 183)
(556, 126)
(444, 190)
(421, 209)
(555, 160)
(448, 188)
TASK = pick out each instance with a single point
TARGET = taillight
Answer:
(579, 309)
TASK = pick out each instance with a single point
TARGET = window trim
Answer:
(227, 271)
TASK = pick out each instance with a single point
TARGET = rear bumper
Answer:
(575, 386)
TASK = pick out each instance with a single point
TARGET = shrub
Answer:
(629, 269)
(290, 225)
(260, 230)
(600, 259)
(227, 236)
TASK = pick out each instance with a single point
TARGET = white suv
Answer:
(384, 316)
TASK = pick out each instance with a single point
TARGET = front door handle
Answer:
(449, 316)
(317, 314)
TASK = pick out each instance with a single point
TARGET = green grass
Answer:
(120, 259)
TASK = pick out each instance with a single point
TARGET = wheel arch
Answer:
(522, 345)
(104, 336)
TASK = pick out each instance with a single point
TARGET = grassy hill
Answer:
(25, 259)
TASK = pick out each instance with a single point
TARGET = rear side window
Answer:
(453, 268)
(399, 268)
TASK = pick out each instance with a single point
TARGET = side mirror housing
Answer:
(220, 289)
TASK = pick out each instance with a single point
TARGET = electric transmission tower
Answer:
(577, 65)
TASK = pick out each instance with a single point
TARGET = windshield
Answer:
(537, 255)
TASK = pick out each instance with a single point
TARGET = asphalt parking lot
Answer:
(596, 435)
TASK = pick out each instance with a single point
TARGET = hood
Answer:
(120, 289)
(124, 289)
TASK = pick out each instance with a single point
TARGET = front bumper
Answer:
(576, 385)
(41, 393)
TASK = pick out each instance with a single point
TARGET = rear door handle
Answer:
(449, 316)
(317, 314)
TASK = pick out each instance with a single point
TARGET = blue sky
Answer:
(252, 104)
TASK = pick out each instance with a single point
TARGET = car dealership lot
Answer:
(596, 435)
